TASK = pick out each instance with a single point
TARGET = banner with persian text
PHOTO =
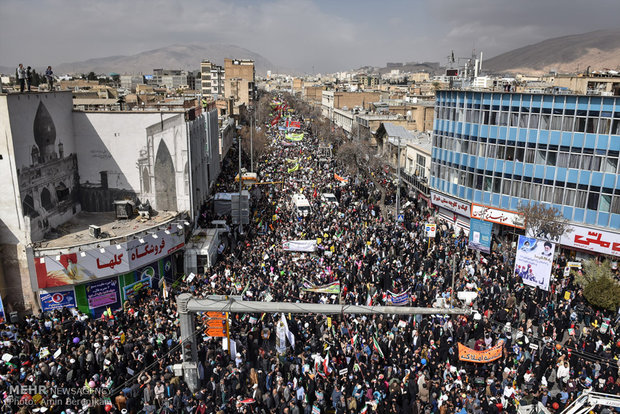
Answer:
(80, 267)
(481, 357)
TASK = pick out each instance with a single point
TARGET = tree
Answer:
(599, 286)
(91, 76)
(544, 221)
(258, 142)
(354, 156)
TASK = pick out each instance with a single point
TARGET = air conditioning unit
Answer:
(94, 231)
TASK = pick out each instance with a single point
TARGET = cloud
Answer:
(302, 34)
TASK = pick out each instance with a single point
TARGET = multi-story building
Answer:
(240, 80)
(172, 79)
(495, 151)
(67, 169)
(130, 82)
(211, 79)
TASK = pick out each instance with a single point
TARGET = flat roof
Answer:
(75, 232)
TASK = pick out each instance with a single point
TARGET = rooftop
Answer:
(75, 232)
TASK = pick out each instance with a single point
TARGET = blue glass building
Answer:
(503, 149)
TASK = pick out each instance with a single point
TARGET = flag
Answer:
(368, 300)
(377, 347)
(165, 288)
(287, 332)
(326, 369)
(354, 339)
(365, 409)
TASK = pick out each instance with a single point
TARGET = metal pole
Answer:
(452, 295)
(398, 188)
(252, 143)
(240, 306)
(240, 184)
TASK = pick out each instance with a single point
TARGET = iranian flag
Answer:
(354, 340)
(377, 347)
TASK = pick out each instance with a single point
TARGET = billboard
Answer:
(594, 240)
(480, 235)
(93, 264)
(533, 262)
(498, 215)
(103, 293)
(451, 204)
(57, 300)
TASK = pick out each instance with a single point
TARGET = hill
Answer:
(599, 50)
(186, 57)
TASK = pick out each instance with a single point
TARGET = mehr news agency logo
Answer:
(43, 396)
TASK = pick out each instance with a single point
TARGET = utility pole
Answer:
(452, 295)
(251, 141)
(240, 184)
(398, 188)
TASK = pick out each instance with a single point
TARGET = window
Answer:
(593, 201)
(545, 121)
(482, 149)
(497, 185)
(546, 194)
(580, 124)
(479, 179)
(534, 121)
(604, 203)
(604, 126)
(525, 190)
(529, 155)
(503, 120)
(541, 157)
(487, 183)
(523, 120)
(610, 165)
(501, 150)
(520, 154)
(473, 148)
(510, 153)
(615, 206)
(506, 187)
(567, 125)
(551, 158)
(557, 197)
(569, 197)
(516, 186)
(492, 150)
(556, 122)
(562, 160)
(592, 125)
(580, 199)
(514, 119)
(586, 162)
(574, 161)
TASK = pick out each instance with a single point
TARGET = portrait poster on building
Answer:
(480, 235)
(533, 262)
(57, 300)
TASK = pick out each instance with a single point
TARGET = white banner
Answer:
(598, 241)
(497, 215)
(153, 247)
(450, 203)
(299, 246)
(534, 260)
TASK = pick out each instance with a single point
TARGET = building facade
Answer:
(67, 169)
(240, 80)
(211, 79)
(501, 150)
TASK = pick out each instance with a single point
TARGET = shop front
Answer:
(583, 242)
(97, 279)
(453, 210)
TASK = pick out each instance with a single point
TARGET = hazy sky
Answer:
(328, 35)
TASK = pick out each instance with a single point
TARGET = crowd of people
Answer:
(555, 346)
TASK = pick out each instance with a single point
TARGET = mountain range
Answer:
(186, 57)
(598, 50)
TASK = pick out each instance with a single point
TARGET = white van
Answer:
(301, 206)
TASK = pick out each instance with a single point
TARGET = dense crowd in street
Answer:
(555, 345)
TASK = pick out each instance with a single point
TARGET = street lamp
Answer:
(398, 188)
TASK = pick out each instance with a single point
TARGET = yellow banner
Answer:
(482, 357)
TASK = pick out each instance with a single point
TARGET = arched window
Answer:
(46, 199)
(146, 180)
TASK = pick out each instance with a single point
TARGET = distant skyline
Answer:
(306, 35)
